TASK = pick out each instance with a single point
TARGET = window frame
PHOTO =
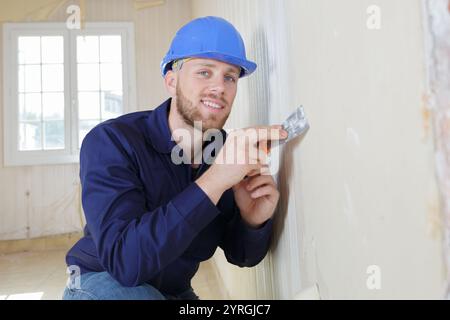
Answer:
(70, 154)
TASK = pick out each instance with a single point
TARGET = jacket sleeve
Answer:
(245, 246)
(134, 244)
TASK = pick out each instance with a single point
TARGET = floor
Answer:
(40, 275)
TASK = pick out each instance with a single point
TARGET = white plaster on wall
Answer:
(348, 208)
(437, 41)
(353, 137)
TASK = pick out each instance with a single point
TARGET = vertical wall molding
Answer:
(437, 42)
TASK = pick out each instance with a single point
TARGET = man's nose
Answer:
(217, 86)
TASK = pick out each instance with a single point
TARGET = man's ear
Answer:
(170, 81)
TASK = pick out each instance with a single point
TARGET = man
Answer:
(151, 221)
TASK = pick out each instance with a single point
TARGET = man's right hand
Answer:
(244, 153)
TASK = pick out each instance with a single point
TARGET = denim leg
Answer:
(101, 286)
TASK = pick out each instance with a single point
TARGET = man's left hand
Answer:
(257, 198)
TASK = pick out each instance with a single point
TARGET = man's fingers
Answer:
(271, 133)
(258, 181)
(253, 173)
(254, 169)
(265, 171)
(262, 171)
(264, 133)
(267, 190)
(274, 126)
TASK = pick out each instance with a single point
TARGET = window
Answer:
(60, 83)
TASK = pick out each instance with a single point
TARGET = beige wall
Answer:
(359, 190)
(45, 200)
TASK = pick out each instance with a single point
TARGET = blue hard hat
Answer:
(210, 38)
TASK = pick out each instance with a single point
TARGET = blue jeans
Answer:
(101, 286)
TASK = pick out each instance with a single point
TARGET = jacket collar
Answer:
(158, 128)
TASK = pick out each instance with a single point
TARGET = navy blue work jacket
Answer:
(147, 219)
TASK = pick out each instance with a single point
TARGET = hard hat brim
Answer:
(247, 66)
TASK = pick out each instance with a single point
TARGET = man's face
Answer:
(205, 91)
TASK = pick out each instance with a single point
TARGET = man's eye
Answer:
(230, 79)
(204, 73)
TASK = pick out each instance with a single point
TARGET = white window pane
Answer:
(112, 105)
(32, 78)
(29, 50)
(110, 49)
(88, 77)
(52, 77)
(21, 78)
(84, 128)
(53, 135)
(33, 107)
(30, 136)
(21, 97)
(87, 49)
(53, 49)
(111, 76)
(53, 106)
(89, 105)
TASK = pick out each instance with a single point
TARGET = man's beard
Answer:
(190, 113)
